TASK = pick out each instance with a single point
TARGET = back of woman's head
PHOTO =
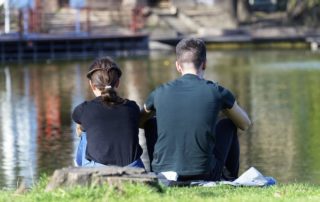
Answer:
(105, 74)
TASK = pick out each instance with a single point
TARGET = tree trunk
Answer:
(243, 11)
(296, 8)
(306, 12)
(239, 10)
(231, 7)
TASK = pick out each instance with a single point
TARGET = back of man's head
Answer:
(191, 50)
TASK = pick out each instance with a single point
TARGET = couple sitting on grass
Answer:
(179, 117)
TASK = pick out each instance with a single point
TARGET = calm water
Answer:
(279, 89)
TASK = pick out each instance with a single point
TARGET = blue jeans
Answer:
(81, 161)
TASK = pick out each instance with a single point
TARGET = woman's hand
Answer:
(79, 130)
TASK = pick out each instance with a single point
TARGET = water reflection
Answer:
(18, 129)
(77, 97)
(283, 105)
(278, 89)
(8, 130)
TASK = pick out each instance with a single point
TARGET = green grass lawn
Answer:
(134, 192)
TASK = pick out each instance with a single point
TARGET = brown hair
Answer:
(191, 50)
(104, 74)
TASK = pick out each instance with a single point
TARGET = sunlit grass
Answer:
(138, 192)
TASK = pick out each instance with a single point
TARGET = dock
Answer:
(243, 41)
(70, 46)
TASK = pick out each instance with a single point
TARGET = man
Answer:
(189, 141)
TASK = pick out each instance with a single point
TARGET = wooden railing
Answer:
(91, 20)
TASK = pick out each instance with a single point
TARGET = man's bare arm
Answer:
(145, 114)
(238, 116)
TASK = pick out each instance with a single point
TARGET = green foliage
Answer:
(309, 3)
(134, 192)
(305, 12)
(1, 11)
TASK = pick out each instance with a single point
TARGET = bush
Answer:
(306, 12)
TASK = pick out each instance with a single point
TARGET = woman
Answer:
(110, 122)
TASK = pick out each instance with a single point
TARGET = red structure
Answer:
(137, 19)
(36, 17)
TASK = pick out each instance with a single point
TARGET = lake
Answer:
(280, 90)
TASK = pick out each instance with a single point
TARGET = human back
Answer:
(110, 122)
(112, 132)
(187, 110)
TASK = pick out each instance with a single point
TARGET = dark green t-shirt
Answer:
(186, 111)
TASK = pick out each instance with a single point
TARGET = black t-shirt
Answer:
(186, 111)
(112, 132)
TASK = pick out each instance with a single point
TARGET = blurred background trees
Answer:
(305, 12)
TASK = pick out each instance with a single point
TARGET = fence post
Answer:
(88, 11)
(135, 19)
(6, 16)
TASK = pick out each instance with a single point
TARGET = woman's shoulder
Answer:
(131, 103)
(87, 103)
(78, 111)
(81, 105)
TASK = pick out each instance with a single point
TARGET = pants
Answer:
(81, 161)
(226, 152)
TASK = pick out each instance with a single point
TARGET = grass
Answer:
(138, 192)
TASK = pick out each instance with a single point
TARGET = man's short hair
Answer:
(191, 50)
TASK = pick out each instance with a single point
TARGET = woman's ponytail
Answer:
(105, 75)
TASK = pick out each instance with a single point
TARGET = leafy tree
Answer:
(304, 11)
(239, 10)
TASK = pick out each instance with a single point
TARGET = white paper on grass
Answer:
(170, 175)
(251, 177)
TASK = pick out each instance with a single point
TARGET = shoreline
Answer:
(70, 46)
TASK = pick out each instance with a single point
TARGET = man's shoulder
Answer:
(211, 83)
(165, 86)
(175, 84)
(215, 85)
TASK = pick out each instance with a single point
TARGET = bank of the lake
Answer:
(138, 192)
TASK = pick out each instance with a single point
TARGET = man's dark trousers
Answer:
(226, 150)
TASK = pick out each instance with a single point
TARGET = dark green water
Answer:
(279, 89)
